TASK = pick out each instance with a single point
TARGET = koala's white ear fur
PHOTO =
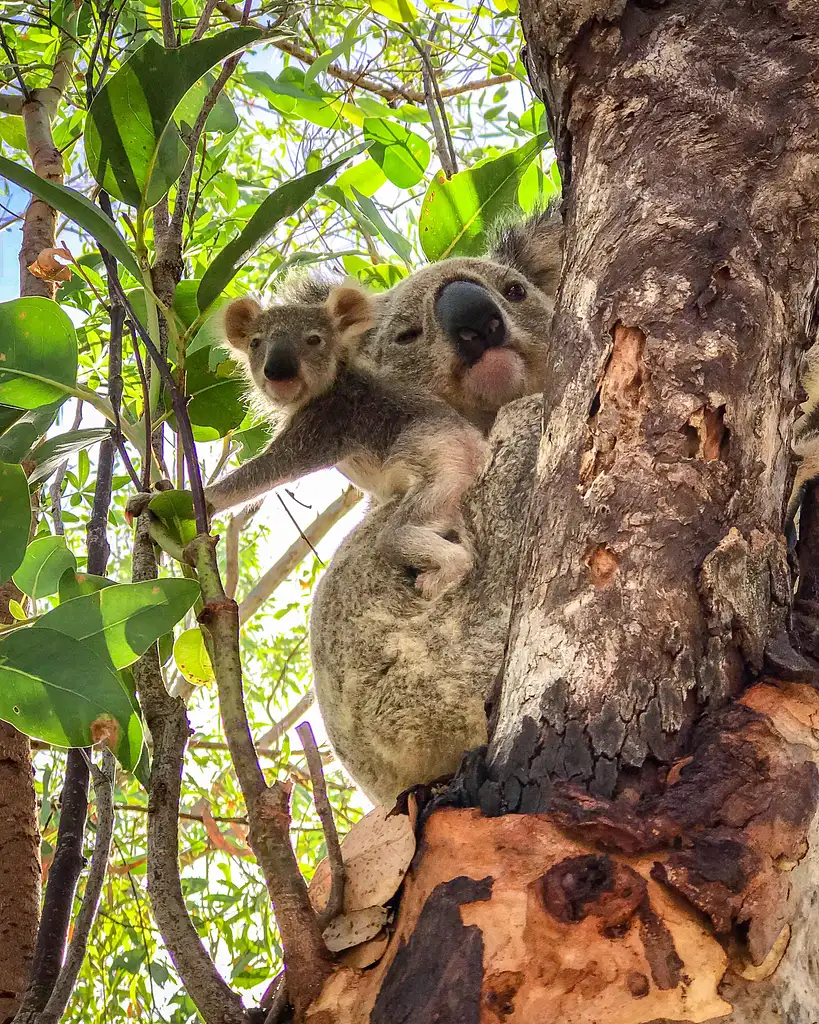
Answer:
(352, 310)
(240, 316)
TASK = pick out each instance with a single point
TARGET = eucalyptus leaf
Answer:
(121, 622)
(38, 353)
(457, 211)
(402, 155)
(51, 453)
(56, 689)
(396, 241)
(76, 207)
(15, 518)
(192, 658)
(133, 149)
(46, 559)
(281, 203)
(175, 509)
(17, 440)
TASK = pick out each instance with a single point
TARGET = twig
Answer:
(168, 31)
(180, 409)
(234, 531)
(168, 723)
(15, 66)
(55, 490)
(279, 572)
(335, 901)
(185, 815)
(146, 412)
(299, 530)
(435, 106)
(204, 20)
(103, 779)
(63, 877)
(306, 959)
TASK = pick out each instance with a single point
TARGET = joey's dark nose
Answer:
(281, 363)
(471, 319)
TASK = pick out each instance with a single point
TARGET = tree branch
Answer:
(63, 877)
(204, 20)
(335, 900)
(306, 959)
(234, 531)
(299, 550)
(168, 724)
(103, 779)
(11, 103)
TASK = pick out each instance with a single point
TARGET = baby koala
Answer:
(335, 410)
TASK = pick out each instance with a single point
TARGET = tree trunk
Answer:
(665, 866)
(19, 854)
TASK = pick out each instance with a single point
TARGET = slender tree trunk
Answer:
(19, 855)
(665, 865)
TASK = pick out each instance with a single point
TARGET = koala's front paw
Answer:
(456, 561)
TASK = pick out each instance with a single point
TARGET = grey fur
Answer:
(401, 684)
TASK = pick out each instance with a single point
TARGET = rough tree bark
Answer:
(655, 727)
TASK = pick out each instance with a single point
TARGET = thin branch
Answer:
(204, 20)
(63, 877)
(435, 105)
(306, 958)
(180, 409)
(168, 724)
(15, 66)
(11, 103)
(267, 742)
(55, 490)
(185, 815)
(103, 779)
(168, 30)
(146, 412)
(279, 572)
(234, 531)
(335, 901)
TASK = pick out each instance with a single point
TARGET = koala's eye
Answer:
(255, 342)
(313, 339)
(515, 292)
(408, 336)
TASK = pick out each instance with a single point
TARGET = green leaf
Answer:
(216, 398)
(79, 209)
(192, 658)
(175, 509)
(349, 39)
(15, 518)
(47, 558)
(120, 623)
(58, 690)
(395, 10)
(456, 212)
(402, 155)
(367, 177)
(291, 96)
(51, 453)
(16, 610)
(282, 202)
(38, 353)
(133, 149)
(17, 441)
(396, 241)
(78, 584)
(221, 119)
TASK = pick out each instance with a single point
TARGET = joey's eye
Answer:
(313, 339)
(515, 292)
(255, 342)
(408, 336)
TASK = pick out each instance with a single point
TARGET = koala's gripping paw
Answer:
(456, 561)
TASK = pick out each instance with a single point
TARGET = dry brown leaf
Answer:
(377, 852)
(47, 268)
(348, 930)
(367, 954)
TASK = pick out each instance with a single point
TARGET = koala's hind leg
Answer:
(439, 551)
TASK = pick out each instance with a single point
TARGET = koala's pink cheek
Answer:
(498, 377)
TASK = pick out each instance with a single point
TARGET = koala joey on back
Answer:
(474, 331)
(335, 410)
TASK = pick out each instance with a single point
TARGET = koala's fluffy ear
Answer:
(240, 317)
(352, 310)
(534, 247)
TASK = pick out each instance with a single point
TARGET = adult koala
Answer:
(401, 681)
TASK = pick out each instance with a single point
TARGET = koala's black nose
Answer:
(282, 363)
(470, 318)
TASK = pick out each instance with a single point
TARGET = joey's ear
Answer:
(352, 310)
(534, 247)
(240, 316)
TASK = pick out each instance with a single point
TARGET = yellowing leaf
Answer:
(395, 10)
